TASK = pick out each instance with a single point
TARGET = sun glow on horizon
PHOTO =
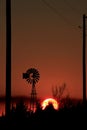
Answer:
(50, 100)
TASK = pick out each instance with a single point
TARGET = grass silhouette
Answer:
(67, 117)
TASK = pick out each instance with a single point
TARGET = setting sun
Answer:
(50, 100)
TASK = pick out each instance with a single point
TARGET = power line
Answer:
(69, 5)
(55, 11)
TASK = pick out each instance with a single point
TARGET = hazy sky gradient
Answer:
(45, 35)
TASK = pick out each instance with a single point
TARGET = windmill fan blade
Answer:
(35, 75)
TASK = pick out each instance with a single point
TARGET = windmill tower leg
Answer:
(33, 99)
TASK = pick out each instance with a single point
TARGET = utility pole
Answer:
(84, 58)
(8, 57)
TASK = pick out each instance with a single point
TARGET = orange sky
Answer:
(46, 37)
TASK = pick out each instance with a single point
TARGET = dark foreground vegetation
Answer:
(68, 117)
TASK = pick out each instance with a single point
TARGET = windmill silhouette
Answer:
(32, 76)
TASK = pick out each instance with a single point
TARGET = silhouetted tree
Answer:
(58, 91)
(49, 107)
